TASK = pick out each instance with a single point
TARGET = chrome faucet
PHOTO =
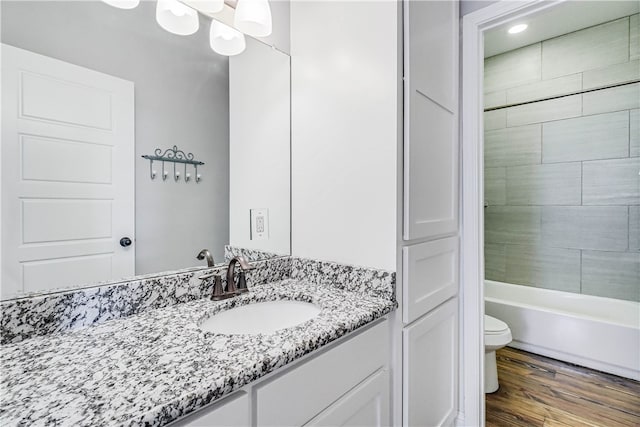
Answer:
(242, 281)
(206, 254)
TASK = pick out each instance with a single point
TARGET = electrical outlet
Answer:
(259, 224)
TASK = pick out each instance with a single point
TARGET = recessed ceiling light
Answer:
(518, 28)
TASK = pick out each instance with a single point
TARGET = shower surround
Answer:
(562, 156)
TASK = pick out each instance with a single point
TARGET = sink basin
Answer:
(261, 317)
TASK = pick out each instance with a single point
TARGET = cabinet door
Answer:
(365, 405)
(431, 119)
(303, 392)
(430, 276)
(233, 411)
(430, 368)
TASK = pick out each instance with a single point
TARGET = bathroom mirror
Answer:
(88, 90)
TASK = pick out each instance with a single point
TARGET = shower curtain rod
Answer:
(579, 92)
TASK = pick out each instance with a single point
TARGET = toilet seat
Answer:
(493, 325)
(496, 333)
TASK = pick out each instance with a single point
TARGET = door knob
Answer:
(125, 241)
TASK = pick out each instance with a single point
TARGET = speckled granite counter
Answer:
(156, 366)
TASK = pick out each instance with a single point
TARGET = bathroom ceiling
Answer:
(562, 19)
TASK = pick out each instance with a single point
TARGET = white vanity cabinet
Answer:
(365, 405)
(232, 411)
(346, 384)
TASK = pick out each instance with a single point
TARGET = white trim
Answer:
(472, 229)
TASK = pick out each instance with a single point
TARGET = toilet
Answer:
(496, 335)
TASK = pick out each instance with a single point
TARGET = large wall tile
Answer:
(512, 224)
(544, 111)
(586, 49)
(495, 266)
(545, 89)
(619, 98)
(634, 228)
(613, 74)
(495, 99)
(547, 184)
(513, 68)
(609, 182)
(520, 145)
(611, 274)
(585, 227)
(634, 37)
(634, 133)
(496, 119)
(495, 186)
(548, 268)
(602, 136)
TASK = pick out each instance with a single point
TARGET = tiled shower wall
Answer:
(562, 180)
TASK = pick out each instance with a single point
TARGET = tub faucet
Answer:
(206, 254)
(242, 281)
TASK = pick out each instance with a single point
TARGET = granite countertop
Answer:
(154, 367)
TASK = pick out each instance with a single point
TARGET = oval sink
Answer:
(261, 317)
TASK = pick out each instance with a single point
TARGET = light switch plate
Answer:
(259, 224)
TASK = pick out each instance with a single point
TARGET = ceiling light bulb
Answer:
(123, 4)
(518, 28)
(253, 17)
(226, 40)
(208, 6)
(176, 17)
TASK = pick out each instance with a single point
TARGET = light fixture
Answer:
(176, 17)
(225, 40)
(518, 28)
(123, 4)
(208, 6)
(253, 17)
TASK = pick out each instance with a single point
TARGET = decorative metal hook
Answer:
(174, 155)
(151, 171)
(164, 172)
(187, 175)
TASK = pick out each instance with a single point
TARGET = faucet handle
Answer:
(206, 276)
(242, 283)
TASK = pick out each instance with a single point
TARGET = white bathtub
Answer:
(599, 333)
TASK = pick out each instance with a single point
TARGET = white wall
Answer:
(345, 131)
(259, 110)
(280, 37)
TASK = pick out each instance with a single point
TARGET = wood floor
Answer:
(537, 391)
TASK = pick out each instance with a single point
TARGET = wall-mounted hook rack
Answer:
(174, 155)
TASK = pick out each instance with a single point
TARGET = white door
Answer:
(67, 174)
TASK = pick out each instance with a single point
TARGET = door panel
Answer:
(430, 276)
(67, 174)
(76, 161)
(365, 405)
(430, 374)
(431, 120)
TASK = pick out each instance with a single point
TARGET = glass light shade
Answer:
(123, 4)
(226, 40)
(253, 17)
(176, 17)
(209, 6)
